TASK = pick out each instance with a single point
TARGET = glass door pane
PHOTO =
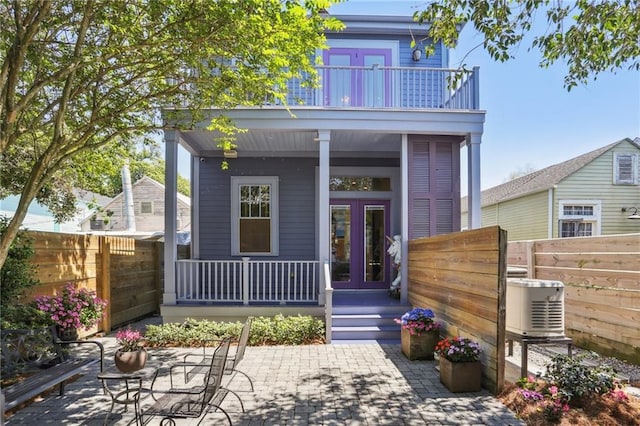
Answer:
(339, 81)
(341, 243)
(374, 243)
(374, 81)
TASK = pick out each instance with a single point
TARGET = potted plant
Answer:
(131, 355)
(72, 309)
(419, 333)
(460, 367)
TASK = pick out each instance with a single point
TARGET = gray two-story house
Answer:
(315, 190)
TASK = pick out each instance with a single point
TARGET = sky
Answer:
(532, 121)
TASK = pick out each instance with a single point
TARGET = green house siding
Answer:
(490, 215)
(524, 218)
(594, 182)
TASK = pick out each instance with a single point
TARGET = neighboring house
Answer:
(148, 209)
(593, 194)
(39, 218)
(374, 152)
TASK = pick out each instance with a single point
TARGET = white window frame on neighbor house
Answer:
(150, 203)
(621, 159)
(594, 219)
(236, 183)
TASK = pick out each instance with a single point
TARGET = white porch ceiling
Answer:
(354, 132)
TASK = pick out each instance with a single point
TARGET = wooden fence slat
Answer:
(586, 261)
(601, 278)
(606, 243)
(461, 261)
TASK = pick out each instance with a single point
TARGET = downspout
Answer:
(127, 191)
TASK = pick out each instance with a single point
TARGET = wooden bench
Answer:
(37, 360)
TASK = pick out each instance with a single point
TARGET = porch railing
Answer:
(388, 87)
(247, 281)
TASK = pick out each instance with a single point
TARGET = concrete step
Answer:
(365, 333)
(366, 323)
(397, 310)
(364, 320)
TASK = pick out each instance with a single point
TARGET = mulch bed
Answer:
(600, 410)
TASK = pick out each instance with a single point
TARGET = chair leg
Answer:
(248, 378)
(206, 411)
(239, 400)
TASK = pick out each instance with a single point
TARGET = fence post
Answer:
(105, 264)
(328, 305)
(531, 259)
(245, 280)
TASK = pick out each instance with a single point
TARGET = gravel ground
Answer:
(540, 356)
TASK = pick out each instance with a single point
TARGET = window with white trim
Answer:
(254, 209)
(625, 168)
(579, 218)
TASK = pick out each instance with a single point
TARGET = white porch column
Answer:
(324, 219)
(473, 173)
(404, 178)
(170, 215)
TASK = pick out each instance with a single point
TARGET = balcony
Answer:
(379, 87)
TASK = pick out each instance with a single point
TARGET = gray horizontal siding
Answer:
(297, 205)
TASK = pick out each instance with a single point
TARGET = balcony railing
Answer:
(247, 281)
(388, 87)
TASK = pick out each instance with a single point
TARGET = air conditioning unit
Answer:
(535, 307)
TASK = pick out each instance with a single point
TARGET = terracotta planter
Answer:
(128, 362)
(419, 347)
(461, 376)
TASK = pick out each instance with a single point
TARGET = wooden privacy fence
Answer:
(601, 277)
(125, 271)
(462, 278)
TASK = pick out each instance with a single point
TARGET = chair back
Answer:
(213, 381)
(242, 343)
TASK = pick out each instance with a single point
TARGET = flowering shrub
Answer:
(577, 379)
(458, 349)
(129, 340)
(74, 308)
(418, 321)
(552, 402)
(569, 383)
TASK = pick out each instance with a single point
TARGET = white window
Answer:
(625, 168)
(146, 207)
(254, 210)
(579, 218)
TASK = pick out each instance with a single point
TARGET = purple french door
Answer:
(358, 244)
(355, 78)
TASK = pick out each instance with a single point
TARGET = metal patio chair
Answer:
(233, 359)
(196, 399)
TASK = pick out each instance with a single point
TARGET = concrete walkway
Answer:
(363, 384)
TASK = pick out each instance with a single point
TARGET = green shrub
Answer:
(278, 330)
(16, 276)
(577, 380)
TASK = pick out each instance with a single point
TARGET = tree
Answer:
(591, 36)
(77, 77)
(109, 181)
(519, 172)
